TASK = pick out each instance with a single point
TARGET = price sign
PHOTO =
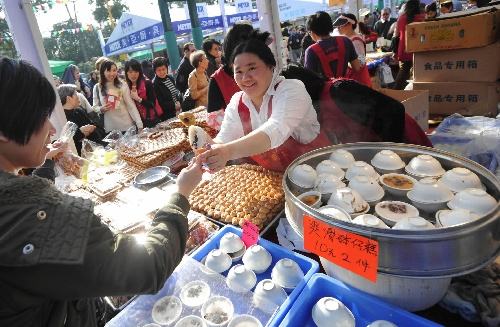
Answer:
(348, 250)
(250, 233)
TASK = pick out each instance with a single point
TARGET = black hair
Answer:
(256, 44)
(353, 17)
(159, 61)
(363, 29)
(237, 34)
(313, 82)
(411, 9)
(106, 65)
(27, 99)
(431, 7)
(187, 45)
(208, 44)
(134, 65)
(320, 23)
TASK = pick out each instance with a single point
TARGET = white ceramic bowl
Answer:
(268, 296)
(393, 211)
(413, 294)
(166, 310)
(245, 321)
(240, 279)
(217, 311)
(327, 184)
(361, 168)
(475, 200)
(329, 167)
(369, 221)
(334, 212)
(257, 258)
(424, 165)
(343, 158)
(369, 189)
(311, 198)
(448, 218)
(428, 190)
(330, 312)
(397, 184)
(232, 244)
(458, 179)
(387, 161)
(349, 200)
(287, 273)
(413, 223)
(304, 176)
(381, 323)
(218, 261)
(195, 293)
(191, 321)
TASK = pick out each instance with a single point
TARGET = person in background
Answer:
(346, 24)
(198, 79)
(213, 52)
(222, 86)
(71, 75)
(330, 55)
(112, 99)
(411, 13)
(446, 6)
(164, 86)
(147, 69)
(185, 68)
(98, 63)
(143, 94)
(87, 129)
(57, 80)
(383, 25)
(431, 10)
(294, 43)
(56, 255)
(306, 42)
(92, 81)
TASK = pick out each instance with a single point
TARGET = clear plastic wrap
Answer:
(68, 131)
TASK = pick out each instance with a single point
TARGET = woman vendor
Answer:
(271, 120)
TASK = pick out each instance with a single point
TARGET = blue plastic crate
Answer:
(308, 266)
(365, 307)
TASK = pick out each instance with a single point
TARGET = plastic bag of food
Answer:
(98, 154)
(130, 138)
(68, 131)
(113, 137)
(72, 164)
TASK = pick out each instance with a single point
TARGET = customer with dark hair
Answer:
(167, 94)
(143, 94)
(431, 10)
(222, 85)
(112, 99)
(147, 69)
(272, 120)
(56, 255)
(330, 55)
(411, 13)
(213, 51)
(87, 129)
(446, 6)
(185, 68)
(198, 79)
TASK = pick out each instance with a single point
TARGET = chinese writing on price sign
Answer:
(250, 234)
(350, 251)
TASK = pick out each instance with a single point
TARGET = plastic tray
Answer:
(308, 266)
(365, 308)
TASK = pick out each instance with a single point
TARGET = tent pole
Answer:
(172, 50)
(270, 22)
(195, 24)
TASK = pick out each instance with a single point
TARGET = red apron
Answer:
(226, 83)
(326, 59)
(362, 76)
(278, 159)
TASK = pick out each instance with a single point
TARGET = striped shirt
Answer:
(171, 87)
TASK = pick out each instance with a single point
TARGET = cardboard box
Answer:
(466, 98)
(463, 65)
(416, 104)
(461, 30)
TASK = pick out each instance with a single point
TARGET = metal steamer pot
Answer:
(434, 254)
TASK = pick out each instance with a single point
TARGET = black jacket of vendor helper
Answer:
(56, 255)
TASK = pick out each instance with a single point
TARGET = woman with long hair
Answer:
(112, 99)
(410, 13)
(143, 94)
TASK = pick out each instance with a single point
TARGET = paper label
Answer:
(250, 235)
(353, 252)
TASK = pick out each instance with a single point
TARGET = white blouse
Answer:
(292, 115)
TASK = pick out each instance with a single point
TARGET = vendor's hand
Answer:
(87, 129)
(189, 177)
(106, 107)
(56, 148)
(216, 157)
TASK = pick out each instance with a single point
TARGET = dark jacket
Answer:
(181, 80)
(382, 28)
(81, 118)
(212, 65)
(56, 255)
(164, 96)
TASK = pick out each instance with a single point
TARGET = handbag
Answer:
(188, 102)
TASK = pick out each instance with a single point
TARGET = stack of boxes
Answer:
(457, 59)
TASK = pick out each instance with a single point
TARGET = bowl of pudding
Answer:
(397, 184)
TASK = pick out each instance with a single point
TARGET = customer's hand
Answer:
(216, 157)
(87, 129)
(56, 148)
(189, 177)
(107, 107)
(134, 95)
